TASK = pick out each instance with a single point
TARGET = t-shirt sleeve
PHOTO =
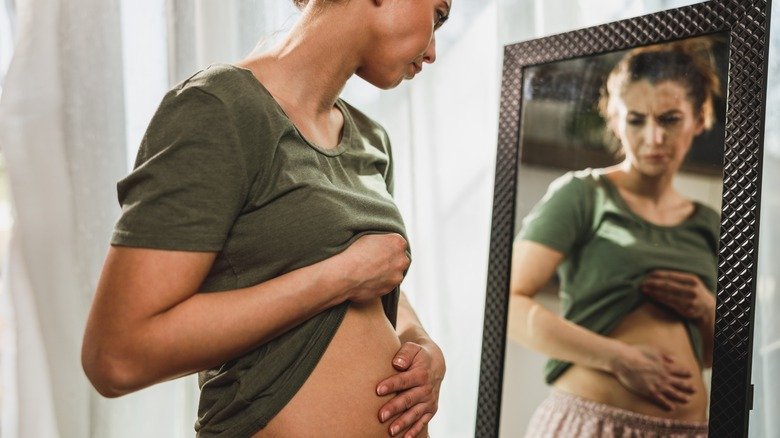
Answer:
(561, 218)
(188, 185)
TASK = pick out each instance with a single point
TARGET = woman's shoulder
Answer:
(234, 88)
(580, 181)
(708, 216)
(220, 80)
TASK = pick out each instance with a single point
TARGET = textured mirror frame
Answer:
(747, 23)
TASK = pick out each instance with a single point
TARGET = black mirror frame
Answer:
(747, 24)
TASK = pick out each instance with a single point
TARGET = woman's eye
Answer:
(440, 19)
(667, 121)
(636, 122)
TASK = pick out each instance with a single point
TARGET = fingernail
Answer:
(384, 416)
(400, 362)
(394, 429)
(382, 389)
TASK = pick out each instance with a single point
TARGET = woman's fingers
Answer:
(667, 287)
(675, 395)
(403, 381)
(408, 419)
(404, 402)
(402, 360)
(681, 301)
(682, 385)
(680, 277)
(662, 401)
(678, 371)
(415, 430)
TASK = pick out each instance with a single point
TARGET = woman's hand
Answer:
(653, 374)
(373, 265)
(682, 292)
(421, 370)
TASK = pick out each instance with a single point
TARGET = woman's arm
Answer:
(535, 327)
(147, 323)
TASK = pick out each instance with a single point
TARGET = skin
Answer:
(176, 331)
(633, 367)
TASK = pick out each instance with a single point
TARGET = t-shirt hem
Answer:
(558, 246)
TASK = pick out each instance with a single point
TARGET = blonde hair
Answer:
(688, 62)
(301, 4)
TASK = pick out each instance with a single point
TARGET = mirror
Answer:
(617, 218)
(524, 176)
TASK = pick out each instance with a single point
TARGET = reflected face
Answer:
(406, 41)
(656, 125)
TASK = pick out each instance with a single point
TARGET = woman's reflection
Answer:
(636, 262)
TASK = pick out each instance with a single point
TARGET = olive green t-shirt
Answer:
(221, 168)
(609, 250)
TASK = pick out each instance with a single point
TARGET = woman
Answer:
(256, 183)
(636, 261)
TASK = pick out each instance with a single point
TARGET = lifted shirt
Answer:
(609, 250)
(221, 168)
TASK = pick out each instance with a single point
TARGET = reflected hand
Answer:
(653, 374)
(421, 370)
(684, 293)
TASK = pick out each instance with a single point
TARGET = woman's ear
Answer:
(700, 125)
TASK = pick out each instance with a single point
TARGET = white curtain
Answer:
(765, 417)
(62, 143)
(81, 87)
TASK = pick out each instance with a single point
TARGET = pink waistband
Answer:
(564, 400)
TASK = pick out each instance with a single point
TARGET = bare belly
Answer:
(339, 397)
(653, 325)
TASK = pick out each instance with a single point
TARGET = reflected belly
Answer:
(339, 397)
(653, 325)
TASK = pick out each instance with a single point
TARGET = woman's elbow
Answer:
(111, 375)
(520, 306)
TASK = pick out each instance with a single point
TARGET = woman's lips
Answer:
(415, 69)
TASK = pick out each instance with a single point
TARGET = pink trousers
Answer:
(564, 415)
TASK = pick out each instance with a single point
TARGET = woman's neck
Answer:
(655, 189)
(310, 67)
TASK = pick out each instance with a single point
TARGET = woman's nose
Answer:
(430, 52)
(654, 134)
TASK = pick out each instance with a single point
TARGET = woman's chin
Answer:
(387, 83)
(655, 171)
(651, 170)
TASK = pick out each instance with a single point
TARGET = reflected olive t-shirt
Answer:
(221, 168)
(609, 250)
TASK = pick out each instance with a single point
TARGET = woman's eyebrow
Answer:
(671, 112)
